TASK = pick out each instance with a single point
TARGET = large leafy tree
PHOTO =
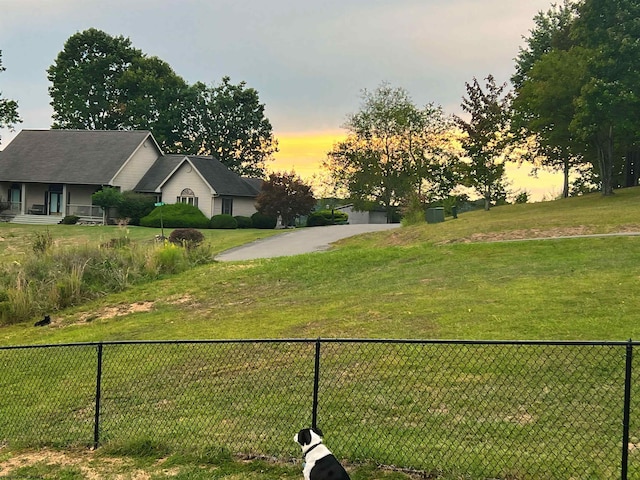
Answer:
(548, 78)
(229, 122)
(8, 108)
(286, 196)
(544, 108)
(393, 150)
(551, 31)
(608, 109)
(578, 85)
(155, 98)
(86, 90)
(487, 138)
(100, 82)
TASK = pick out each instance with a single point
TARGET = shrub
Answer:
(134, 206)
(224, 220)
(177, 215)
(42, 241)
(70, 220)
(244, 222)
(167, 259)
(187, 237)
(266, 222)
(326, 217)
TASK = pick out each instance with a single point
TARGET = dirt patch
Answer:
(92, 467)
(523, 234)
(117, 311)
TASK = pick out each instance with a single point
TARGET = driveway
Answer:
(300, 240)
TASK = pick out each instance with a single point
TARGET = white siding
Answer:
(139, 163)
(358, 217)
(186, 177)
(80, 194)
(244, 207)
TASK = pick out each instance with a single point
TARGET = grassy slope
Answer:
(445, 280)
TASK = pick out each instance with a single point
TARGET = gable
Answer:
(218, 177)
(70, 156)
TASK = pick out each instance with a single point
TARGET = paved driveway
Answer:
(300, 240)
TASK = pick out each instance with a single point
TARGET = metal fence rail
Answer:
(457, 409)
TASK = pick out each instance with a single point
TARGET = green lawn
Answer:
(455, 280)
(426, 281)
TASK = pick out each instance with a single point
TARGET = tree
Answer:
(86, 91)
(608, 109)
(551, 32)
(393, 150)
(434, 158)
(544, 108)
(107, 198)
(229, 122)
(549, 76)
(487, 138)
(8, 108)
(285, 195)
(155, 98)
(583, 60)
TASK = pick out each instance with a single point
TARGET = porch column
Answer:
(64, 200)
(23, 198)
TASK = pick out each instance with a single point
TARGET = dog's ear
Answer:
(317, 431)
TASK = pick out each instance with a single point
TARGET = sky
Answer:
(308, 60)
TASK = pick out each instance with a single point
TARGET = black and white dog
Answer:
(319, 462)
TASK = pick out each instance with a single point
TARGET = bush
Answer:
(326, 217)
(187, 237)
(266, 222)
(224, 220)
(134, 206)
(244, 222)
(42, 241)
(176, 215)
(70, 220)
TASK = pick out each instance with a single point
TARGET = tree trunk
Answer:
(605, 158)
(565, 184)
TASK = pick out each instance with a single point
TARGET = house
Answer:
(377, 215)
(48, 174)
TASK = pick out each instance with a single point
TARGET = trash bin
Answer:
(435, 214)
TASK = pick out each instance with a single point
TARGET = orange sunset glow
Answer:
(304, 152)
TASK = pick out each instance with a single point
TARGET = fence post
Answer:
(626, 411)
(96, 421)
(316, 386)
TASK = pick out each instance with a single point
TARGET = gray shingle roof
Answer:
(68, 156)
(219, 177)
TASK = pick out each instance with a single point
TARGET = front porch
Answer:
(37, 214)
(47, 203)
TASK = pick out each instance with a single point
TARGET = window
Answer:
(187, 196)
(227, 206)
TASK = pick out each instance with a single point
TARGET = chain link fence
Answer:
(450, 409)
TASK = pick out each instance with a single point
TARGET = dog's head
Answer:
(308, 436)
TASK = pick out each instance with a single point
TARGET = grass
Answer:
(456, 279)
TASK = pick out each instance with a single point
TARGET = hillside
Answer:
(456, 279)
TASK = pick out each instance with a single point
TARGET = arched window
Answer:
(187, 196)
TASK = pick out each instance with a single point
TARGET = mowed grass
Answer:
(451, 280)
(456, 280)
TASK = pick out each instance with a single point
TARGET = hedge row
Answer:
(182, 215)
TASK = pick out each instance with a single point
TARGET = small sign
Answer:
(159, 204)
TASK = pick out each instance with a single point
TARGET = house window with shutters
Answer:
(187, 196)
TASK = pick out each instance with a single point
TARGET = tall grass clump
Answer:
(52, 277)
